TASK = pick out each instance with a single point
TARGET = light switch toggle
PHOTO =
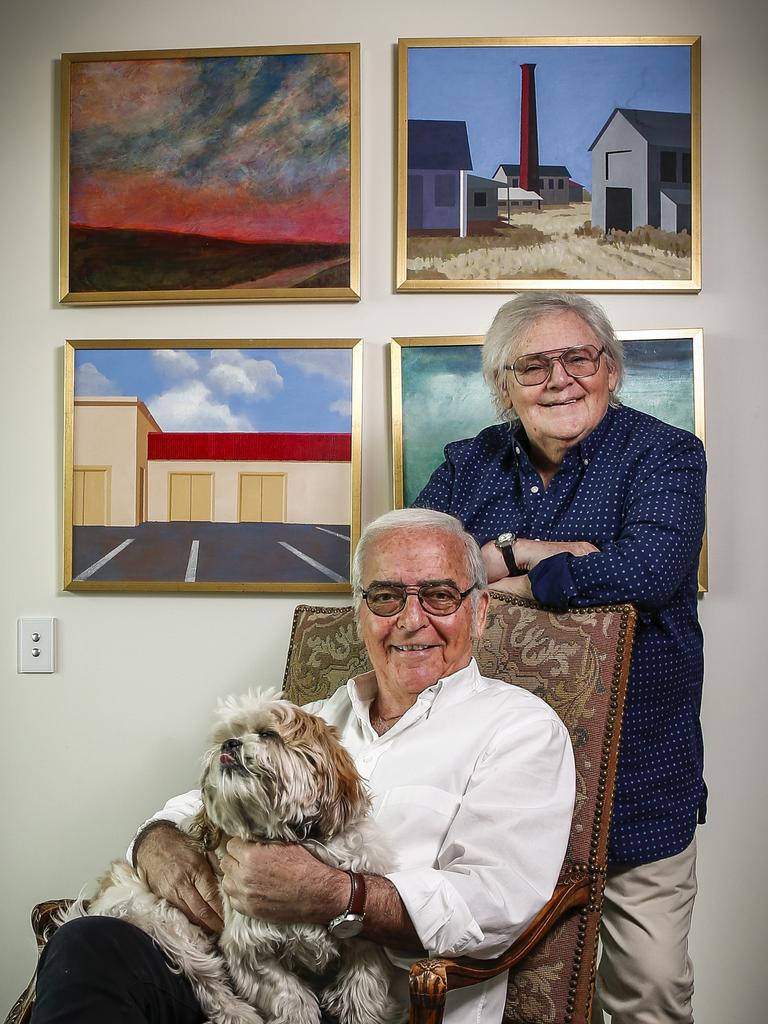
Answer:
(36, 645)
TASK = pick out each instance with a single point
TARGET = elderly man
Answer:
(472, 779)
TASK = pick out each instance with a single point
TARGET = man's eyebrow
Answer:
(421, 583)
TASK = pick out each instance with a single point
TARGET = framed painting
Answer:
(211, 175)
(211, 465)
(439, 395)
(549, 162)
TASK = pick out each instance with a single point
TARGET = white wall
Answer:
(88, 751)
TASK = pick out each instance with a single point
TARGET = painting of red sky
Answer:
(248, 149)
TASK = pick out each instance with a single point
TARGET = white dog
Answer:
(274, 772)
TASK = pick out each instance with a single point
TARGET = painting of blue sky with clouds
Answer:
(212, 465)
(568, 164)
(227, 389)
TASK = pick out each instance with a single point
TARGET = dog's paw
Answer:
(297, 1007)
(243, 1014)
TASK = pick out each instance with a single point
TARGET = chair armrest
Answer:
(431, 979)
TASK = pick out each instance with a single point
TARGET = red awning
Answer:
(234, 447)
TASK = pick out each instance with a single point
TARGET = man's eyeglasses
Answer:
(536, 367)
(434, 598)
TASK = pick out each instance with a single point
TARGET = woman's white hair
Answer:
(514, 321)
(419, 519)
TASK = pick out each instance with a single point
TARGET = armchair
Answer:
(577, 661)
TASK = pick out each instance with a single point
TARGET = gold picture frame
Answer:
(619, 210)
(186, 175)
(212, 465)
(438, 395)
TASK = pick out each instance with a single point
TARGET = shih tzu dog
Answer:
(274, 772)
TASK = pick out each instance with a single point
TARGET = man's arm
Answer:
(176, 869)
(285, 883)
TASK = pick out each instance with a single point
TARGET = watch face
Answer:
(505, 538)
(350, 925)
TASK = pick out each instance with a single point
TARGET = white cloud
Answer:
(235, 373)
(342, 406)
(90, 381)
(173, 363)
(333, 363)
(192, 407)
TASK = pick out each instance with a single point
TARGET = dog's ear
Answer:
(203, 831)
(344, 797)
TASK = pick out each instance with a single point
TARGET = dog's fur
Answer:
(274, 772)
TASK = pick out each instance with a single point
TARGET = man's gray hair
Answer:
(419, 519)
(514, 321)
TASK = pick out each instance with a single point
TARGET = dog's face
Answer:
(277, 772)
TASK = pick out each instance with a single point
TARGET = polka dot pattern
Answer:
(634, 488)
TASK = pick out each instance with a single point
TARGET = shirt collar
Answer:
(582, 452)
(448, 689)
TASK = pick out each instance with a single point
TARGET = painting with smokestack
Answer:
(549, 163)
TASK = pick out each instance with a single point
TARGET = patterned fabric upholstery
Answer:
(578, 663)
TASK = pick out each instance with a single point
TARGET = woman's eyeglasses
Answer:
(434, 598)
(536, 367)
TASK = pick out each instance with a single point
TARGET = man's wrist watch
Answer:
(350, 922)
(504, 543)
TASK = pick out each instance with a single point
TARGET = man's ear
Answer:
(481, 615)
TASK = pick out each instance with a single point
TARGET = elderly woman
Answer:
(577, 501)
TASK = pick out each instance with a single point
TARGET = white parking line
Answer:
(320, 568)
(191, 573)
(103, 561)
(333, 533)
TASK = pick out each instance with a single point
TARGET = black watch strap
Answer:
(505, 544)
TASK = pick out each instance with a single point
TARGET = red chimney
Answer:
(529, 131)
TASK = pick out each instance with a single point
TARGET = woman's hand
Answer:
(177, 870)
(528, 553)
(495, 565)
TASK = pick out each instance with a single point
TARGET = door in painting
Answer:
(262, 497)
(618, 209)
(415, 201)
(89, 497)
(191, 498)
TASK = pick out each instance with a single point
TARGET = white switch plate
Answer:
(36, 635)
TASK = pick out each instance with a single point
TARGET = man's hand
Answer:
(176, 869)
(282, 882)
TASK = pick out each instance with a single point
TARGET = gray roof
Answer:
(550, 170)
(438, 146)
(659, 127)
(477, 181)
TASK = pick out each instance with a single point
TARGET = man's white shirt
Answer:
(474, 787)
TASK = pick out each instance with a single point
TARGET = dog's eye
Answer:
(267, 734)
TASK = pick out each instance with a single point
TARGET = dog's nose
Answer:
(230, 745)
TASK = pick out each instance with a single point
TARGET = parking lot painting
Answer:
(212, 465)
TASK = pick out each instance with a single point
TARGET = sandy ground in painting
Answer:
(291, 276)
(564, 255)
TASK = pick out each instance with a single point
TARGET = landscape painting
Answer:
(211, 465)
(439, 395)
(534, 163)
(210, 175)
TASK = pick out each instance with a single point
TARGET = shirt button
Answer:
(517, 451)
(535, 489)
(586, 462)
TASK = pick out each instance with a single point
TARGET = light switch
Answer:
(36, 640)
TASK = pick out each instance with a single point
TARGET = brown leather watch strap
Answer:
(357, 897)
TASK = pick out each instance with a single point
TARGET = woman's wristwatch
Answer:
(504, 543)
